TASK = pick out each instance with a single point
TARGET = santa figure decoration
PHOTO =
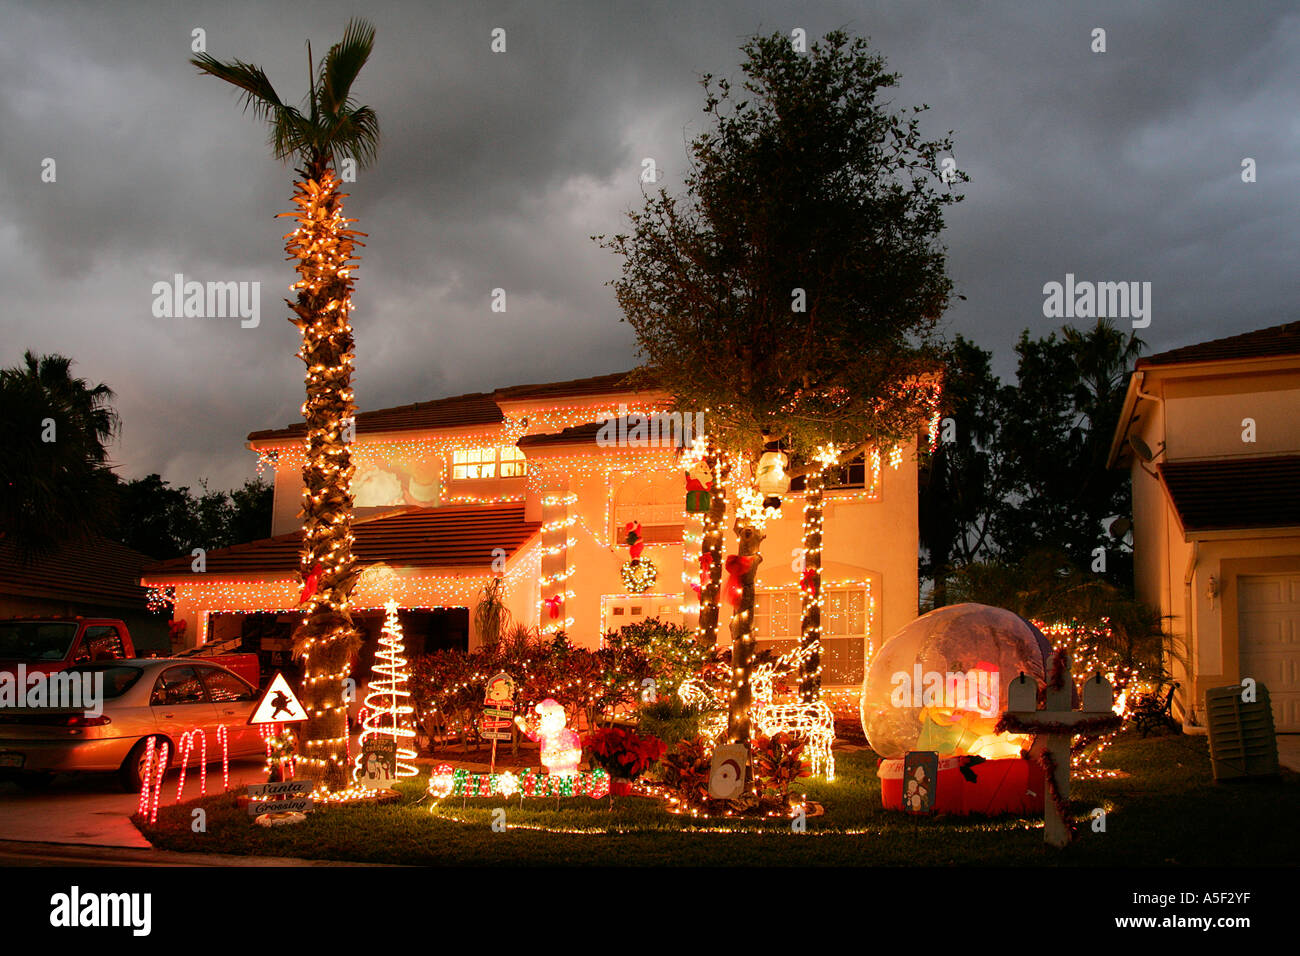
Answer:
(632, 538)
(561, 748)
(699, 485)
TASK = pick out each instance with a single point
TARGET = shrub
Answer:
(673, 653)
(670, 720)
(778, 762)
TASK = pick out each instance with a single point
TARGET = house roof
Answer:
(1278, 341)
(453, 537)
(575, 388)
(1262, 343)
(1234, 493)
(93, 571)
(589, 433)
(475, 408)
(575, 435)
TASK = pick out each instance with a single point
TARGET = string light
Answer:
(556, 418)
(552, 530)
(323, 245)
(639, 576)
(459, 782)
(388, 701)
(1085, 645)
(813, 721)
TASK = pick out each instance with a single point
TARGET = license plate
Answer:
(11, 760)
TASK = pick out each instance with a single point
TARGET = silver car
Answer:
(142, 698)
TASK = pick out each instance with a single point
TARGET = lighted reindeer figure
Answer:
(694, 692)
(813, 721)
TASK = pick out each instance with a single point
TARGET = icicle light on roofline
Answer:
(370, 450)
(414, 592)
(555, 418)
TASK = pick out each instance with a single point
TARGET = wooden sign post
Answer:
(1054, 728)
(498, 712)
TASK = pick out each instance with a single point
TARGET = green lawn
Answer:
(1167, 812)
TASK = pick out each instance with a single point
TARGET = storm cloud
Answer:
(496, 168)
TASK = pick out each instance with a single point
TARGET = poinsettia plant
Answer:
(622, 753)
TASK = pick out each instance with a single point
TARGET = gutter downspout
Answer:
(1189, 710)
(1190, 724)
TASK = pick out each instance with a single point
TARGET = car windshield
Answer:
(36, 640)
(118, 679)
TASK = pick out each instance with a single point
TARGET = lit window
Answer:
(778, 621)
(513, 464)
(482, 463)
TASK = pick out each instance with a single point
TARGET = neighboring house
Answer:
(92, 578)
(519, 482)
(1211, 433)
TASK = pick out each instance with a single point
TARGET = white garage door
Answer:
(1268, 608)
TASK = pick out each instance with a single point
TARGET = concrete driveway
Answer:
(92, 809)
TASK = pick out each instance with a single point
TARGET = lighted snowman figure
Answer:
(561, 749)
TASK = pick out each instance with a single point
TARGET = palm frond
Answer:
(342, 63)
(259, 94)
(292, 134)
(356, 132)
(328, 123)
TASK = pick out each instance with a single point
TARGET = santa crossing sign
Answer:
(279, 704)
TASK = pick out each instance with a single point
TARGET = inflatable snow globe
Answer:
(938, 687)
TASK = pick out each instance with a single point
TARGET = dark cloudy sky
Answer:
(496, 168)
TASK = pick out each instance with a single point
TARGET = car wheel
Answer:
(131, 774)
(34, 781)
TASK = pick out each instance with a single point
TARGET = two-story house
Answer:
(533, 484)
(1211, 434)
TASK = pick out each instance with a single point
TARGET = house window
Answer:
(851, 474)
(654, 499)
(513, 464)
(483, 463)
(846, 622)
(617, 610)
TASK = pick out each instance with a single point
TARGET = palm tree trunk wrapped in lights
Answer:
(330, 124)
(810, 589)
(326, 639)
(711, 547)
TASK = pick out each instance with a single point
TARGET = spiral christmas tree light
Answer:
(388, 700)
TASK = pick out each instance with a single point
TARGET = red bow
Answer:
(706, 562)
(310, 585)
(737, 567)
(553, 604)
(808, 582)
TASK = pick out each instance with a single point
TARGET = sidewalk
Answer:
(19, 853)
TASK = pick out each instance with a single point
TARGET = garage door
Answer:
(1269, 634)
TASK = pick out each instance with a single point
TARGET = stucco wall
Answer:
(1202, 417)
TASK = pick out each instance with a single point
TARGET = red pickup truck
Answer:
(50, 644)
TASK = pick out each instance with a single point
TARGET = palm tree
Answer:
(57, 486)
(328, 125)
